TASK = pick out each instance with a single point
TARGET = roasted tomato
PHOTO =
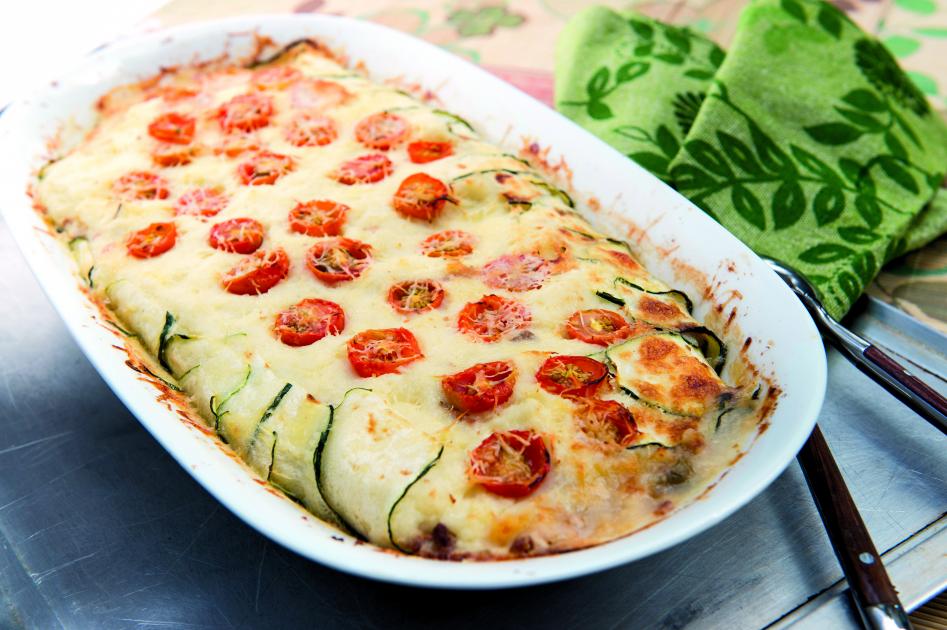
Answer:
(140, 185)
(316, 94)
(493, 317)
(309, 321)
(240, 236)
(607, 421)
(236, 144)
(311, 130)
(448, 244)
(167, 155)
(571, 376)
(203, 202)
(510, 463)
(420, 196)
(522, 272)
(365, 169)
(415, 296)
(245, 112)
(424, 152)
(482, 387)
(275, 77)
(257, 273)
(318, 218)
(173, 128)
(597, 325)
(337, 260)
(265, 168)
(152, 241)
(382, 131)
(383, 351)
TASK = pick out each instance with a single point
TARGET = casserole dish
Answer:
(674, 239)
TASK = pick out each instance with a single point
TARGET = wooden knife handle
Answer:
(874, 595)
(897, 372)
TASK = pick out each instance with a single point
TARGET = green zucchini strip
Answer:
(509, 171)
(216, 410)
(558, 193)
(427, 468)
(679, 295)
(454, 117)
(167, 383)
(317, 467)
(709, 344)
(165, 339)
(266, 415)
(269, 471)
(652, 443)
(610, 298)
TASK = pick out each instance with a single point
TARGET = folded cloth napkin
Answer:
(806, 140)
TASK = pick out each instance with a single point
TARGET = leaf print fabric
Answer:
(631, 59)
(807, 141)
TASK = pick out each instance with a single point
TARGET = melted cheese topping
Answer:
(390, 461)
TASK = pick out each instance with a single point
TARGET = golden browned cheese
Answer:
(389, 456)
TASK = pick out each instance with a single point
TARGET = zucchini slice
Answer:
(391, 513)
(709, 345)
(659, 306)
(165, 339)
(666, 309)
(664, 371)
(82, 252)
(368, 456)
(267, 414)
(283, 450)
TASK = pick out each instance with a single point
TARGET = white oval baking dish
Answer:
(787, 348)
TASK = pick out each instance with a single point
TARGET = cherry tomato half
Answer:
(597, 325)
(337, 260)
(167, 155)
(510, 463)
(173, 128)
(239, 236)
(316, 94)
(493, 317)
(420, 196)
(607, 421)
(318, 218)
(523, 272)
(483, 387)
(152, 241)
(382, 131)
(311, 130)
(140, 185)
(382, 351)
(309, 321)
(365, 169)
(423, 152)
(275, 77)
(448, 244)
(571, 376)
(257, 273)
(203, 202)
(415, 296)
(245, 112)
(264, 168)
(236, 144)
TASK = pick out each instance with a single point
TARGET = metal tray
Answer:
(102, 529)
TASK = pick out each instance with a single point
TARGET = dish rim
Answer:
(275, 517)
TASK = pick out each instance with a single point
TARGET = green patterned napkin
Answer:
(806, 140)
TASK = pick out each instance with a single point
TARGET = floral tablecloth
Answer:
(515, 41)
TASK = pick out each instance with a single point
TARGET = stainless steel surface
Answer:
(102, 529)
(856, 348)
(887, 618)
